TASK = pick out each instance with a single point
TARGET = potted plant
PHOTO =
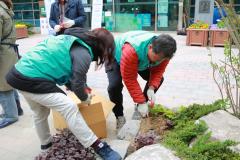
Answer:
(218, 34)
(197, 34)
(21, 31)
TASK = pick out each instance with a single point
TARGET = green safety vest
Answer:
(50, 59)
(139, 41)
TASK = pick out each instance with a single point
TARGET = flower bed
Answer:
(218, 34)
(189, 140)
(197, 34)
(177, 131)
(21, 31)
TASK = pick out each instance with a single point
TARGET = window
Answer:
(27, 11)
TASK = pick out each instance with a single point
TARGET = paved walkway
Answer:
(188, 79)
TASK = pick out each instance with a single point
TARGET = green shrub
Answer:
(186, 132)
(159, 109)
(195, 111)
(221, 24)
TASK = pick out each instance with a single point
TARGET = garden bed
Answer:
(178, 131)
(21, 32)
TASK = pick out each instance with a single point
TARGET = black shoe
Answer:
(47, 146)
(19, 108)
(106, 152)
(20, 111)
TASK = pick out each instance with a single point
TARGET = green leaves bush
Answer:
(187, 132)
(195, 111)
(159, 109)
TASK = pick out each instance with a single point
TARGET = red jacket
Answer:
(129, 72)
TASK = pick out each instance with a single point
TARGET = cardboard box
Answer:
(95, 114)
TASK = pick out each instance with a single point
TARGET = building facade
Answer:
(118, 15)
(124, 15)
(27, 11)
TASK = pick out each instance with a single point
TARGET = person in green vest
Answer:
(138, 53)
(63, 60)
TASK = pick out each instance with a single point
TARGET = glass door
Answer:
(134, 15)
(167, 15)
(108, 15)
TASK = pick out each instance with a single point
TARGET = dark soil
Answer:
(158, 124)
(152, 127)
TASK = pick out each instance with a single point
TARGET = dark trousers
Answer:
(115, 86)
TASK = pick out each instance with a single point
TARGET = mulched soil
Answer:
(158, 124)
(152, 127)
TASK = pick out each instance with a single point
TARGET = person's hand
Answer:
(57, 28)
(151, 95)
(143, 109)
(68, 23)
(88, 100)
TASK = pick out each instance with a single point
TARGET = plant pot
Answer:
(218, 37)
(21, 32)
(197, 37)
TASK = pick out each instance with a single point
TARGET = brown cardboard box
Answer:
(95, 114)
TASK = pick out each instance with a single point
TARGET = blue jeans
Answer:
(8, 103)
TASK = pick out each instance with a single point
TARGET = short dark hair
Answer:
(165, 44)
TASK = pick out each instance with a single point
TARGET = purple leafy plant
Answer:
(145, 139)
(66, 147)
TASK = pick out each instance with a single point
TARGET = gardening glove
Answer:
(151, 95)
(68, 23)
(88, 100)
(57, 28)
(143, 109)
(88, 90)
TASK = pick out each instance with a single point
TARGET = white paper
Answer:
(87, 9)
(108, 13)
(97, 14)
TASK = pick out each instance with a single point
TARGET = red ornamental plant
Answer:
(145, 139)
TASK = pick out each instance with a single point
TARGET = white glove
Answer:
(68, 23)
(151, 95)
(143, 109)
(57, 28)
(88, 100)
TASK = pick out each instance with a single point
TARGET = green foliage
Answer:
(199, 25)
(231, 58)
(24, 23)
(195, 111)
(221, 24)
(226, 72)
(29, 26)
(203, 148)
(159, 109)
(186, 131)
(214, 149)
